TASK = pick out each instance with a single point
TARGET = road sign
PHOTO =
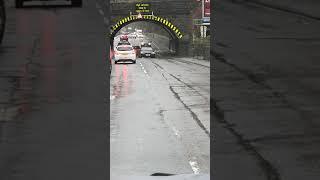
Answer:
(197, 21)
(201, 22)
(207, 9)
(143, 8)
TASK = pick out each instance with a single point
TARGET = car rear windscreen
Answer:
(146, 49)
(124, 48)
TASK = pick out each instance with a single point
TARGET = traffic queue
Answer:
(127, 51)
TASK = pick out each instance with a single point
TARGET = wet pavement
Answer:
(160, 117)
(53, 92)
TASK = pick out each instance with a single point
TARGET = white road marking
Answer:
(176, 132)
(112, 97)
(195, 167)
(144, 70)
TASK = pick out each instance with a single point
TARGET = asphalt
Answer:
(266, 91)
(160, 118)
(53, 124)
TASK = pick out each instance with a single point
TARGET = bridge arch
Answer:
(172, 30)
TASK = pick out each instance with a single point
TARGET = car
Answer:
(140, 36)
(75, 3)
(144, 44)
(138, 50)
(123, 43)
(124, 38)
(147, 52)
(139, 31)
(2, 20)
(124, 53)
(132, 36)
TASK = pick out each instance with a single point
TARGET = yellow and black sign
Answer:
(157, 19)
(143, 8)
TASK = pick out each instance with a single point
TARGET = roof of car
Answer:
(124, 45)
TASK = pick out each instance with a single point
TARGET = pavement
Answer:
(53, 79)
(265, 93)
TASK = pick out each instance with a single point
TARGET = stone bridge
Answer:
(173, 15)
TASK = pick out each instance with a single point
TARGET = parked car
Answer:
(2, 20)
(75, 3)
(124, 53)
(147, 52)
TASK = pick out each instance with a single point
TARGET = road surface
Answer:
(53, 94)
(266, 91)
(160, 115)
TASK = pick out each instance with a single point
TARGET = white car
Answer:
(140, 36)
(124, 53)
(132, 36)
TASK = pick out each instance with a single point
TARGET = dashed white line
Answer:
(144, 70)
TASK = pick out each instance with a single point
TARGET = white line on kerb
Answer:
(195, 167)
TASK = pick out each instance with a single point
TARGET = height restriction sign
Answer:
(143, 8)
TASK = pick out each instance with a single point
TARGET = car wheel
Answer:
(2, 20)
(133, 62)
(19, 3)
(76, 3)
(116, 62)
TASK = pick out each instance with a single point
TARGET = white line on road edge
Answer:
(195, 167)
(112, 97)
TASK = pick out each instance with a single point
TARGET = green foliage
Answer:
(201, 47)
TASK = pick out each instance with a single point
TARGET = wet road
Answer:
(53, 114)
(160, 117)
